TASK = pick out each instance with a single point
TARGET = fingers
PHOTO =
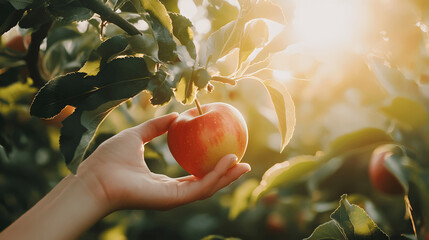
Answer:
(192, 189)
(210, 180)
(154, 127)
(233, 174)
(187, 178)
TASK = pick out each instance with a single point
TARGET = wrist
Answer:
(94, 189)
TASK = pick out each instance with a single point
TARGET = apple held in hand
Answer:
(198, 141)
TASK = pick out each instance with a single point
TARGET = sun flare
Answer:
(327, 23)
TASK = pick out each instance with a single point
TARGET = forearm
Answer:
(64, 213)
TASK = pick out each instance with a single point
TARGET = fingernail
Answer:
(232, 157)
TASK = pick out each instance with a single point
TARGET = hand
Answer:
(118, 176)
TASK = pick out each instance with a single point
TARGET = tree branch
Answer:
(32, 57)
(109, 15)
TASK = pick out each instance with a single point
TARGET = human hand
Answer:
(118, 176)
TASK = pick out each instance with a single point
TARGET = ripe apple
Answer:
(19, 43)
(381, 178)
(198, 141)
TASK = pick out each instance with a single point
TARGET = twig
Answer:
(109, 15)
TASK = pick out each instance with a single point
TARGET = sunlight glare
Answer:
(326, 22)
(187, 8)
(282, 75)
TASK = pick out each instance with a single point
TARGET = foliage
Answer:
(327, 99)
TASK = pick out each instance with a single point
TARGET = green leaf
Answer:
(111, 48)
(241, 197)
(286, 173)
(216, 45)
(183, 32)
(396, 162)
(328, 231)
(285, 110)
(35, 17)
(93, 97)
(252, 9)
(407, 112)
(78, 131)
(355, 222)
(255, 36)
(144, 43)
(283, 104)
(164, 38)
(21, 4)
(60, 34)
(69, 11)
(9, 17)
(220, 13)
(119, 4)
(230, 35)
(278, 43)
(185, 90)
(156, 9)
(160, 87)
(358, 139)
(65, 90)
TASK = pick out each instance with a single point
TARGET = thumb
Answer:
(154, 127)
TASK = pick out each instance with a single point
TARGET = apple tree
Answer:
(329, 82)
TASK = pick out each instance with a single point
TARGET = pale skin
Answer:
(116, 177)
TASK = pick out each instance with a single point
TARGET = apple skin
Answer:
(19, 43)
(381, 178)
(198, 142)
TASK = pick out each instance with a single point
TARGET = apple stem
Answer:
(198, 106)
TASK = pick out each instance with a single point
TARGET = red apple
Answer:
(198, 142)
(381, 178)
(19, 43)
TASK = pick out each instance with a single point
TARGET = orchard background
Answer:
(321, 83)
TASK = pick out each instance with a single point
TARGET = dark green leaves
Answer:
(9, 17)
(20, 4)
(65, 90)
(183, 32)
(358, 139)
(328, 231)
(190, 81)
(160, 87)
(287, 172)
(69, 11)
(166, 44)
(94, 97)
(348, 222)
(111, 48)
(156, 9)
